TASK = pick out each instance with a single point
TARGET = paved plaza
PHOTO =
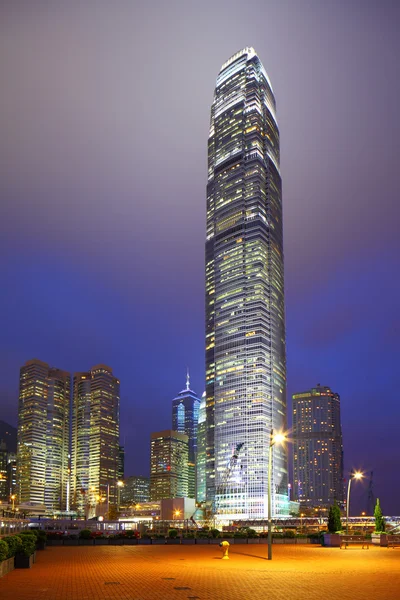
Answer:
(198, 573)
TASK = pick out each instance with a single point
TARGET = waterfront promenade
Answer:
(198, 573)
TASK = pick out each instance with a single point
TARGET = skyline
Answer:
(77, 295)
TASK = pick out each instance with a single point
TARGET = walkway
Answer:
(197, 573)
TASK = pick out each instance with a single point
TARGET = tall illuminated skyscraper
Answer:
(317, 448)
(185, 416)
(245, 316)
(43, 435)
(201, 452)
(95, 438)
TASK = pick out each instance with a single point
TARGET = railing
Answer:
(11, 526)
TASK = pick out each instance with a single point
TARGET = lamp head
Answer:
(358, 475)
(279, 438)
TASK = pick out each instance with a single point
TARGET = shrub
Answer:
(130, 533)
(203, 534)
(41, 535)
(380, 524)
(28, 545)
(252, 533)
(54, 535)
(289, 533)
(4, 550)
(85, 534)
(189, 535)
(14, 543)
(240, 534)
(31, 532)
(334, 522)
(215, 533)
(173, 533)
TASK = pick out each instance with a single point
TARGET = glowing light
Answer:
(279, 438)
(358, 475)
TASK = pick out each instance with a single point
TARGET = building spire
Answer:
(187, 379)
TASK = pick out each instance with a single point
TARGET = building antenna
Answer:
(187, 379)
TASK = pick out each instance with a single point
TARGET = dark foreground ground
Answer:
(197, 572)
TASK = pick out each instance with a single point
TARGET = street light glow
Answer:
(279, 438)
(358, 475)
(120, 483)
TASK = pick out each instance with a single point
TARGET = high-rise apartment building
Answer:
(169, 454)
(201, 452)
(245, 316)
(185, 416)
(317, 448)
(43, 435)
(95, 455)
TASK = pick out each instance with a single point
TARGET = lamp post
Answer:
(356, 475)
(120, 484)
(279, 438)
(13, 501)
(301, 522)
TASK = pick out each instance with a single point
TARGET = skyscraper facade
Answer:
(136, 490)
(95, 455)
(317, 448)
(201, 452)
(185, 416)
(245, 319)
(43, 435)
(169, 454)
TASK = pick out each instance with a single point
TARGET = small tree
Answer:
(334, 522)
(379, 520)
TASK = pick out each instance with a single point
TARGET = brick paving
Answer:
(197, 573)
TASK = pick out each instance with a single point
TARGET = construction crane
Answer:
(221, 486)
(370, 496)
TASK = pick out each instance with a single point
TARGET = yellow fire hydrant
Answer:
(225, 549)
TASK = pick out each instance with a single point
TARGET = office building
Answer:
(317, 448)
(43, 435)
(3, 473)
(185, 416)
(169, 454)
(8, 434)
(95, 451)
(135, 490)
(245, 312)
(121, 463)
(201, 452)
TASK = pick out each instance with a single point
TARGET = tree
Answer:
(379, 520)
(334, 522)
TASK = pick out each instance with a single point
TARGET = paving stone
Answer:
(159, 573)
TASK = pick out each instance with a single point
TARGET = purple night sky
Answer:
(104, 115)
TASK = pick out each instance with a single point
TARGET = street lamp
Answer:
(356, 475)
(13, 501)
(301, 521)
(278, 438)
(177, 513)
(120, 484)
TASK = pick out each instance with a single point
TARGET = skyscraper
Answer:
(185, 415)
(245, 318)
(136, 490)
(95, 437)
(43, 435)
(169, 453)
(201, 452)
(317, 448)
